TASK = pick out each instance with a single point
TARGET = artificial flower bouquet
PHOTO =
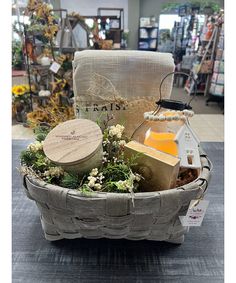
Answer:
(20, 101)
(114, 175)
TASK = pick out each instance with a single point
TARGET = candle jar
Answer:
(75, 145)
(160, 126)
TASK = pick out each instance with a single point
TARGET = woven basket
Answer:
(67, 213)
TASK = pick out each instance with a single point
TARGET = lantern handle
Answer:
(174, 104)
(171, 104)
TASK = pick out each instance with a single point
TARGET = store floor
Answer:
(208, 127)
(198, 103)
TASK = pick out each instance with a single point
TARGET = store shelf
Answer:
(149, 36)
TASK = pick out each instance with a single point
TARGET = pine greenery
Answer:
(70, 181)
(41, 132)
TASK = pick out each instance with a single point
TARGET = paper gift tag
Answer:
(195, 213)
(55, 67)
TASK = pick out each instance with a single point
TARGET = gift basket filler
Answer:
(109, 186)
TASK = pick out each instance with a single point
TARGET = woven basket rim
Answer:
(188, 186)
(45, 185)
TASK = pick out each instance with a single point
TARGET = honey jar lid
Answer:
(73, 141)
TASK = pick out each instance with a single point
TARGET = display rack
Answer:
(112, 26)
(148, 34)
(203, 66)
(148, 38)
(41, 76)
(217, 80)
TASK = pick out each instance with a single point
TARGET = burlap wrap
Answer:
(122, 83)
(70, 214)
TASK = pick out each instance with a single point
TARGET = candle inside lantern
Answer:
(162, 141)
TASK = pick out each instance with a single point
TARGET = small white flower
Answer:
(122, 143)
(34, 147)
(100, 177)
(98, 186)
(120, 127)
(116, 131)
(92, 181)
(91, 178)
(121, 185)
(94, 172)
(54, 172)
(105, 142)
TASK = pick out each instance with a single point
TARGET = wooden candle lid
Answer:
(73, 142)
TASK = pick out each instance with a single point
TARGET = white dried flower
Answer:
(100, 177)
(116, 131)
(120, 127)
(54, 172)
(92, 181)
(94, 172)
(34, 147)
(121, 185)
(105, 142)
(98, 186)
(126, 184)
(122, 143)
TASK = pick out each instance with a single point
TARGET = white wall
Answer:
(89, 7)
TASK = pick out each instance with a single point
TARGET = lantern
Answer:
(167, 129)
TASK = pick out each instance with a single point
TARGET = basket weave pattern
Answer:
(70, 214)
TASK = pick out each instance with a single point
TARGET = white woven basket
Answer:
(67, 213)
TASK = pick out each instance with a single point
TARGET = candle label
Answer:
(195, 213)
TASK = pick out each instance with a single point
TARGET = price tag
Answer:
(195, 213)
(55, 67)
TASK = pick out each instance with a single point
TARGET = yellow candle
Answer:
(162, 141)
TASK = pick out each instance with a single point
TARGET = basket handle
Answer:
(174, 104)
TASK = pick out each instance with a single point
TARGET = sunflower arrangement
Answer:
(20, 96)
(19, 90)
(44, 16)
(52, 114)
(20, 101)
